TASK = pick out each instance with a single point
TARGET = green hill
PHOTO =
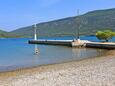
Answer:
(3, 34)
(90, 23)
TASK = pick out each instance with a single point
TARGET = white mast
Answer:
(35, 32)
(79, 26)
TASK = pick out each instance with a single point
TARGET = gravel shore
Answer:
(98, 71)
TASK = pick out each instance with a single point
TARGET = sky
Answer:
(15, 14)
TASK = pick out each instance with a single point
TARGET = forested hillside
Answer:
(89, 23)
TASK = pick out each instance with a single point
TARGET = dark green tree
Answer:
(105, 35)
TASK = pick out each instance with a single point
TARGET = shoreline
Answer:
(10, 77)
(109, 53)
(32, 67)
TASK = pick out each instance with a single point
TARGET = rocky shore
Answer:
(99, 71)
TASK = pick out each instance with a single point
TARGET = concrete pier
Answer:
(72, 43)
(75, 43)
(101, 45)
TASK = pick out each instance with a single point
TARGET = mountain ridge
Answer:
(90, 22)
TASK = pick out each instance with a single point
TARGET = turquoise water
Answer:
(17, 53)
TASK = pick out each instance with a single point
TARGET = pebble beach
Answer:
(98, 71)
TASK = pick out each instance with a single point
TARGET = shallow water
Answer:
(17, 53)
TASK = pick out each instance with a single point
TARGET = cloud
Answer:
(48, 3)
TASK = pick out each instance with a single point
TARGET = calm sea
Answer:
(17, 53)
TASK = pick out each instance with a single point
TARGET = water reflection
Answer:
(36, 50)
(76, 52)
(86, 52)
(35, 58)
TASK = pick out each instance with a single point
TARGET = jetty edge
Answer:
(75, 43)
(106, 45)
(72, 43)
